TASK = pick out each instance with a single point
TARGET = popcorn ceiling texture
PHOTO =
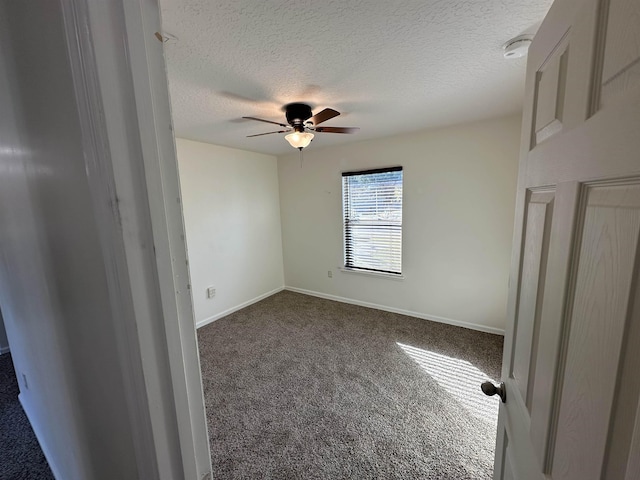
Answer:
(387, 66)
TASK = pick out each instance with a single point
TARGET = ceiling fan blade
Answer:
(337, 129)
(323, 116)
(266, 121)
(268, 133)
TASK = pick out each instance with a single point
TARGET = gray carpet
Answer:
(298, 387)
(20, 455)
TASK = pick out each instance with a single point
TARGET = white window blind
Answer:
(372, 209)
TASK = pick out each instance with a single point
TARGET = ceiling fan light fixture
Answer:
(300, 120)
(299, 140)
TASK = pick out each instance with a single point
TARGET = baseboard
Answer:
(229, 311)
(43, 445)
(4, 350)
(434, 318)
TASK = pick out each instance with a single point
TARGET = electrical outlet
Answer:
(211, 292)
(330, 274)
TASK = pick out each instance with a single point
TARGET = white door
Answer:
(572, 347)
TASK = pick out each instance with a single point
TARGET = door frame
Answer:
(123, 103)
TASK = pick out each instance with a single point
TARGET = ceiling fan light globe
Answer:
(299, 139)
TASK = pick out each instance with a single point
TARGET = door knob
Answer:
(490, 389)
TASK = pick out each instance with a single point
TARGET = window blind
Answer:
(372, 210)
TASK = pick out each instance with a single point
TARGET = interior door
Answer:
(571, 357)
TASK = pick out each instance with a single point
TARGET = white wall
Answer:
(53, 288)
(4, 341)
(232, 222)
(459, 197)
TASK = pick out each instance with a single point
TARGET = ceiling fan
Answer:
(303, 124)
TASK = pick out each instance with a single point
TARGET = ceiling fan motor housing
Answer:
(296, 114)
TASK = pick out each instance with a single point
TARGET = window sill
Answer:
(391, 276)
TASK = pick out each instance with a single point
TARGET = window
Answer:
(372, 210)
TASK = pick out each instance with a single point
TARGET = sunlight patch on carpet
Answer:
(460, 379)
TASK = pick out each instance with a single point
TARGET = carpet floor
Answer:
(20, 455)
(298, 387)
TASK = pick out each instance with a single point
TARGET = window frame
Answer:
(345, 225)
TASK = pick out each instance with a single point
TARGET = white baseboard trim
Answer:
(36, 430)
(4, 350)
(229, 311)
(434, 318)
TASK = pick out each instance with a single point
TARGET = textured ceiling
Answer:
(387, 66)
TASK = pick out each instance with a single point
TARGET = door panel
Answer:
(534, 263)
(623, 458)
(633, 458)
(507, 471)
(604, 273)
(621, 69)
(553, 322)
(551, 82)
